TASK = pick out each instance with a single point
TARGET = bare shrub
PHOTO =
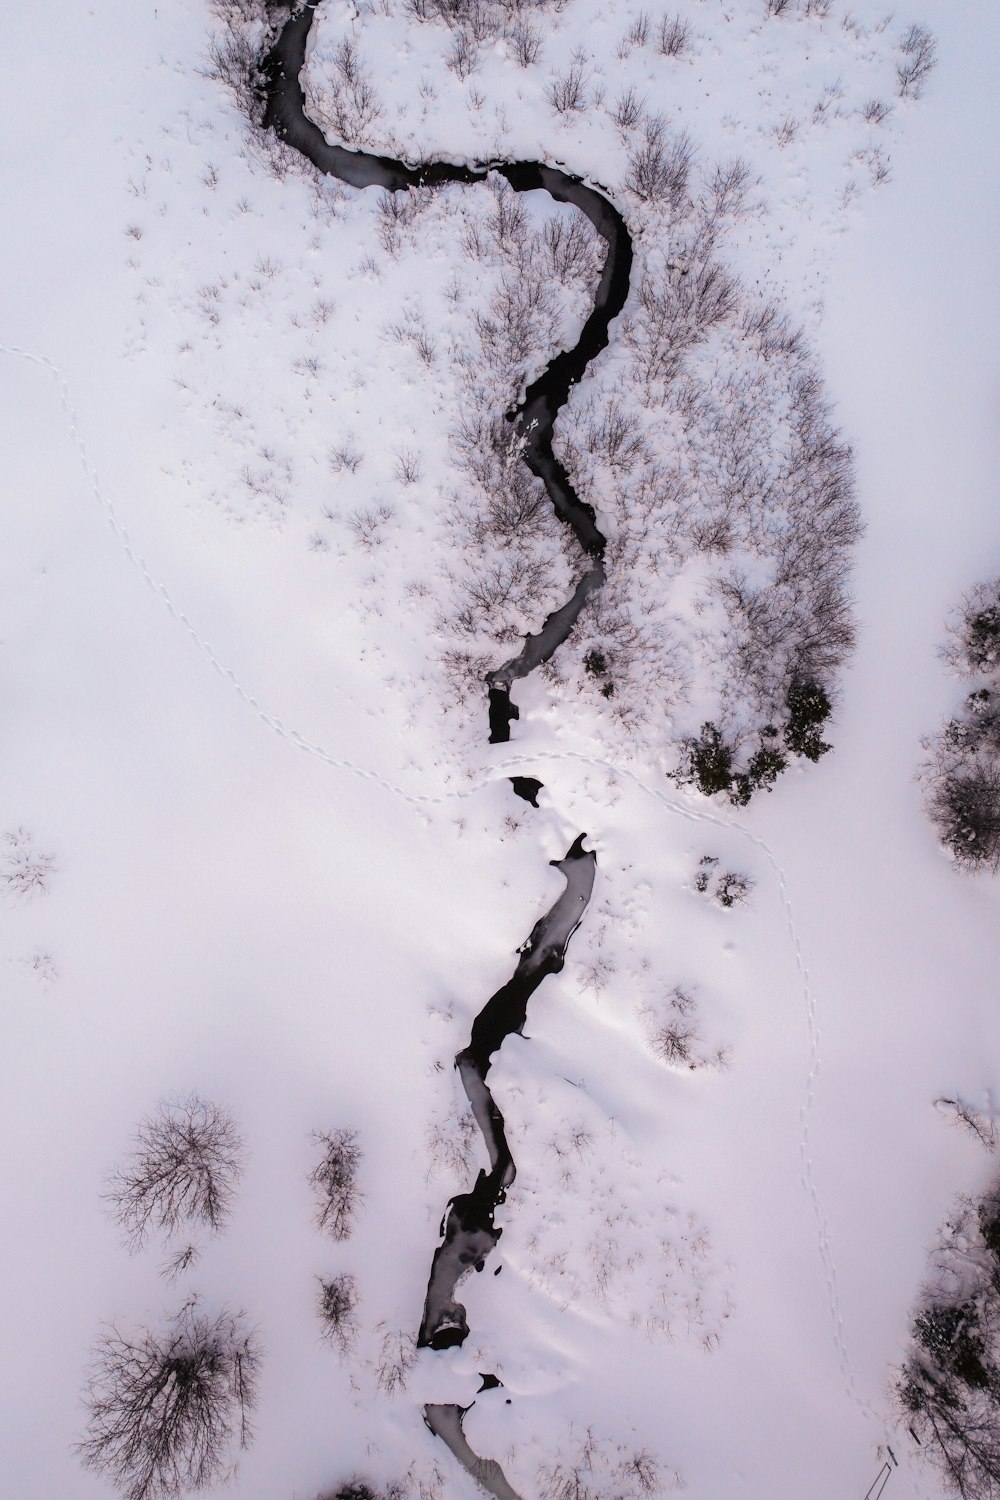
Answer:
(351, 102)
(180, 1262)
(183, 1169)
(526, 41)
(397, 1353)
(165, 1408)
(336, 1302)
(785, 131)
(919, 55)
(367, 526)
(779, 7)
(967, 1117)
(732, 889)
(572, 248)
(875, 111)
(407, 468)
(462, 56)
(335, 1181)
(234, 61)
(344, 457)
(728, 186)
(628, 108)
(24, 870)
(567, 93)
(673, 36)
(659, 168)
(638, 33)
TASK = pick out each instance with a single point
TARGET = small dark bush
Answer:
(710, 762)
(809, 708)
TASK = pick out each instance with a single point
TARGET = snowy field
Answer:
(279, 865)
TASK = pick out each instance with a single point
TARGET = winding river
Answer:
(468, 1229)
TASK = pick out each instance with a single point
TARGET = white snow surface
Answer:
(716, 1265)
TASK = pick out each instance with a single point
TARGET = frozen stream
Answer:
(468, 1229)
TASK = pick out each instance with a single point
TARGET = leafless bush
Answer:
(180, 1262)
(397, 1353)
(567, 93)
(367, 526)
(407, 469)
(335, 1179)
(572, 248)
(785, 131)
(673, 36)
(968, 1117)
(919, 55)
(462, 56)
(728, 187)
(614, 434)
(344, 457)
(396, 212)
(628, 108)
(234, 61)
(638, 33)
(780, 7)
(526, 41)
(165, 1408)
(350, 100)
(875, 111)
(507, 221)
(24, 870)
(183, 1169)
(659, 168)
(594, 1469)
(336, 1302)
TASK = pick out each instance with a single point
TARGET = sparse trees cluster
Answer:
(948, 1390)
(961, 772)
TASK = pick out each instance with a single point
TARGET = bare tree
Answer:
(335, 1181)
(183, 1169)
(167, 1407)
(336, 1303)
(919, 54)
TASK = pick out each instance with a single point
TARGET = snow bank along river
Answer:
(468, 1229)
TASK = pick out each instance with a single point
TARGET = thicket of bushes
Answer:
(961, 773)
(948, 1390)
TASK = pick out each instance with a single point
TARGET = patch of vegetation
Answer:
(961, 774)
(710, 763)
(948, 1390)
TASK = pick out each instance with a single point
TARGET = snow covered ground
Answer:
(715, 1265)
